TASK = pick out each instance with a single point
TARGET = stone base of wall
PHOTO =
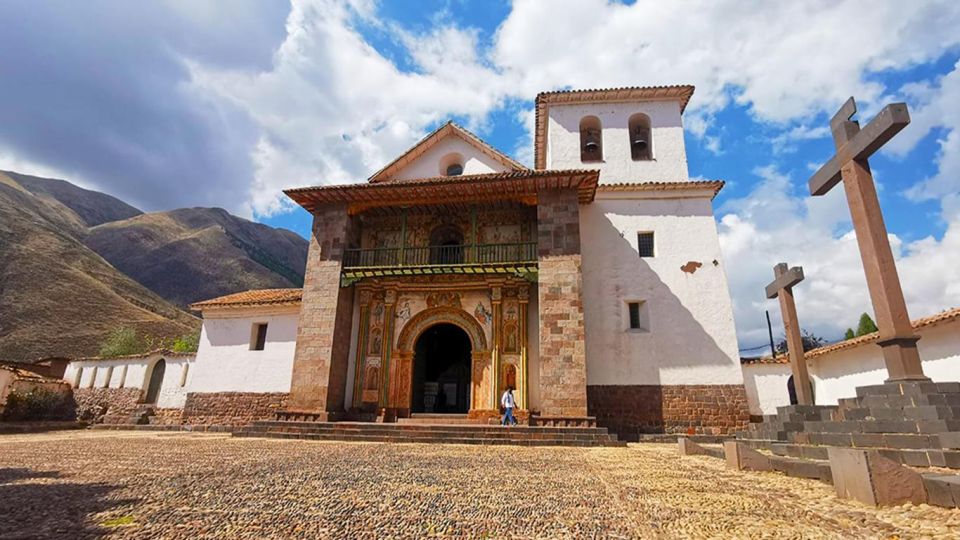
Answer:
(231, 408)
(167, 417)
(106, 405)
(630, 410)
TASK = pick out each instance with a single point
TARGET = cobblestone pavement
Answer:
(137, 485)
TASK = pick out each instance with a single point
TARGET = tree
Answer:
(866, 325)
(122, 341)
(809, 340)
(849, 334)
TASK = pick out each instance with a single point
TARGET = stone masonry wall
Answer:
(563, 372)
(323, 337)
(106, 405)
(231, 408)
(629, 410)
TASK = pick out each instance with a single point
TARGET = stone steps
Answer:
(431, 433)
(446, 419)
(911, 453)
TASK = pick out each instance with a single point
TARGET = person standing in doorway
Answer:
(508, 403)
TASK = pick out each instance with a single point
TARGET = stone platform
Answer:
(912, 423)
(875, 447)
(431, 433)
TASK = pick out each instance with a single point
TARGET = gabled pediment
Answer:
(437, 152)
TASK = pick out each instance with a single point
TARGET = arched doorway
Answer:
(446, 245)
(441, 370)
(156, 381)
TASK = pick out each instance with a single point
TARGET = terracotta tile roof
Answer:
(430, 140)
(715, 185)
(156, 352)
(682, 93)
(257, 297)
(24, 374)
(441, 189)
(942, 317)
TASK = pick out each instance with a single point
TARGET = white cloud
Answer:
(775, 223)
(333, 109)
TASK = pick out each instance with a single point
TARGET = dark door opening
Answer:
(441, 370)
(156, 380)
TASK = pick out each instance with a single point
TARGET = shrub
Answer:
(122, 341)
(39, 404)
(187, 342)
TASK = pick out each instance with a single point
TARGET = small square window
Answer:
(645, 244)
(638, 316)
(258, 338)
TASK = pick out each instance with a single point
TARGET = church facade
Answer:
(592, 283)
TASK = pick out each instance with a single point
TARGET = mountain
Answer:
(76, 263)
(57, 296)
(194, 254)
(92, 207)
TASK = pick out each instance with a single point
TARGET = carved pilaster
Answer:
(386, 370)
(496, 301)
(365, 296)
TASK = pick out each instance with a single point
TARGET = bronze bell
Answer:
(639, 140)
(592, 143)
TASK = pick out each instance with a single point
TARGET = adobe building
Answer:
(593, 283)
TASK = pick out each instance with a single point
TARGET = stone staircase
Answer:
(422, 432)
(441, 419)
(915, 424)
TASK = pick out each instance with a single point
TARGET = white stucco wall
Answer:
(225, 362)
(691, 339)
(135, 373)
(669, 163)
(837, 374)
(428, 164)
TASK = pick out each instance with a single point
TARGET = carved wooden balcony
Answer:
(515, 258)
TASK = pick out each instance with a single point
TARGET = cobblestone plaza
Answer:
(139, 485)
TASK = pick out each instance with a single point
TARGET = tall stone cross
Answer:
(854, 145)
(782, 287)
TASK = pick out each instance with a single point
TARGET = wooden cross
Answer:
(854, 145)
(782, 287)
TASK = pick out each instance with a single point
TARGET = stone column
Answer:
(563, 362)
(318, 385)
(496, 302)
(524, 299)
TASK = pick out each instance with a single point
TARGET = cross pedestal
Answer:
(854, 145)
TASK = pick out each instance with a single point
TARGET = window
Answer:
(637, 316)
(645, 244)
(452, 164)
(106, 382)
(591, 139)
(258, 337)
(640, 143)
(183, 374)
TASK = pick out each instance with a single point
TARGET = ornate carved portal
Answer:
(397, 313)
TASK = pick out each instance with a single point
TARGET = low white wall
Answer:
(135, 373)
(225, 362)
(691, 337)
(837, 374)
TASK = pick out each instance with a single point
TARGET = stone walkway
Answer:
(136, 485)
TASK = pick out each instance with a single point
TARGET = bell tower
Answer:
(632, 135)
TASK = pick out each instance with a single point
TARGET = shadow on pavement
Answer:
(31, 506)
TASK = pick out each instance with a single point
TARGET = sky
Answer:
(169, 104)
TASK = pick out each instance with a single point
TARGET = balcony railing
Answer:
(452, 255)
